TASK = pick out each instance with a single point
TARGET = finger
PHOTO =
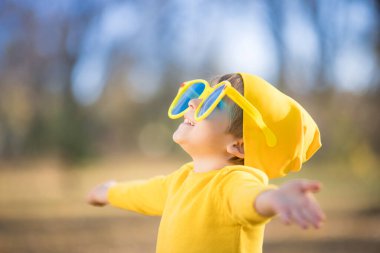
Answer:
(311, 186)
(320, 216)
(285, 217)
(308, 215)
(314, 213)
(298, 217)
(311, 218)
(314, 205)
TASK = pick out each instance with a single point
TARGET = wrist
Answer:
(99, 195)
(109, 184)
(264, 203)
(106, 188)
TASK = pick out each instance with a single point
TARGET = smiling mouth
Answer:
(189, 122)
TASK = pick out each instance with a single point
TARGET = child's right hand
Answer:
(98, 195)
(294, 202)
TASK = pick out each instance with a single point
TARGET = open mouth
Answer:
(189, 122)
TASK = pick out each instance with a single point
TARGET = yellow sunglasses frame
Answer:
(233, 94)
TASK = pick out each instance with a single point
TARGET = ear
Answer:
(236, 148)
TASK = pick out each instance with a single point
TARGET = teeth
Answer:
(187, 121)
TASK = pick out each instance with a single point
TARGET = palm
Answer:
(295, 202)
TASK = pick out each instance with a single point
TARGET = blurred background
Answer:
(84, 92)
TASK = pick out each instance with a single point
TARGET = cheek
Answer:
(217, 124)
(211, 132)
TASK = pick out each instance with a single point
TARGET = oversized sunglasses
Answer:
(211, 99)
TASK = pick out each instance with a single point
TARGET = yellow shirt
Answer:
(201, 212)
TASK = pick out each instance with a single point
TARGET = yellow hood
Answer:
(297, 134)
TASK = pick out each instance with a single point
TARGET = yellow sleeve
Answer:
(142, 196)
(239, 194)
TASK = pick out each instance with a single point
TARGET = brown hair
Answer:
(236, 113)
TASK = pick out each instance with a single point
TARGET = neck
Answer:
(206, 164)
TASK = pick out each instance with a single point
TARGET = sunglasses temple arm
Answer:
(253, 113)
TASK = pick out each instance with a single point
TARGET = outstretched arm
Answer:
(293, 202)
(142, 196)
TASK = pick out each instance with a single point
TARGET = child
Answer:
(221, 201)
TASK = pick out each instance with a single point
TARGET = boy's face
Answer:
(207, 137)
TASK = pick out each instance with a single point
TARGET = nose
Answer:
(194, 103)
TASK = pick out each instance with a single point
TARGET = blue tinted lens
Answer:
(210, 100)
(193, 92)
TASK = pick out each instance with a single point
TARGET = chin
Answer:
(177, 138)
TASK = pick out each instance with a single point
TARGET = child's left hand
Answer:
(293, 202)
